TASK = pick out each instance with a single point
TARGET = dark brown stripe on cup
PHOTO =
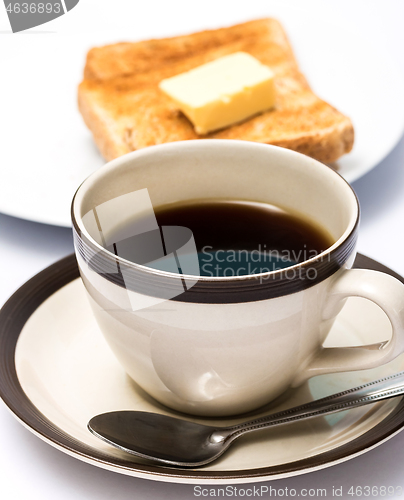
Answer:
(251, 288)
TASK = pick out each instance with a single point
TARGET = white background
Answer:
(29, 468)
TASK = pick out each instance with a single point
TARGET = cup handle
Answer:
(382, 289)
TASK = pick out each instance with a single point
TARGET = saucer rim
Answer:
(24, 302)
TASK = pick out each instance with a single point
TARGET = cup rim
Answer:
(80, 229)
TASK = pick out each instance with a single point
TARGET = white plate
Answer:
(48, 151)
(56, 372)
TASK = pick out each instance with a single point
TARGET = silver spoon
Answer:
(174, 441)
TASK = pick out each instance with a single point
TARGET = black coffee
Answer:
(238, 238)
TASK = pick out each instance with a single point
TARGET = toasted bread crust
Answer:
(122, 105)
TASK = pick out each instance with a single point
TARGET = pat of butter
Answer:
(222, 92)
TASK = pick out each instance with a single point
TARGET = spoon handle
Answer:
(385, 388)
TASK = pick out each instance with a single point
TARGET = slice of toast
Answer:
(125, 110)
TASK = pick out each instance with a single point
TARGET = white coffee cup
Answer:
(220, 346)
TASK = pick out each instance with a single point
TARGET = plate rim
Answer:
(24, 302)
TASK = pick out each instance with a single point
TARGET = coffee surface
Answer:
(240, 238)
(236, 238)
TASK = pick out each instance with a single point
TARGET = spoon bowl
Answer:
(159, 437)
(178, 442)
